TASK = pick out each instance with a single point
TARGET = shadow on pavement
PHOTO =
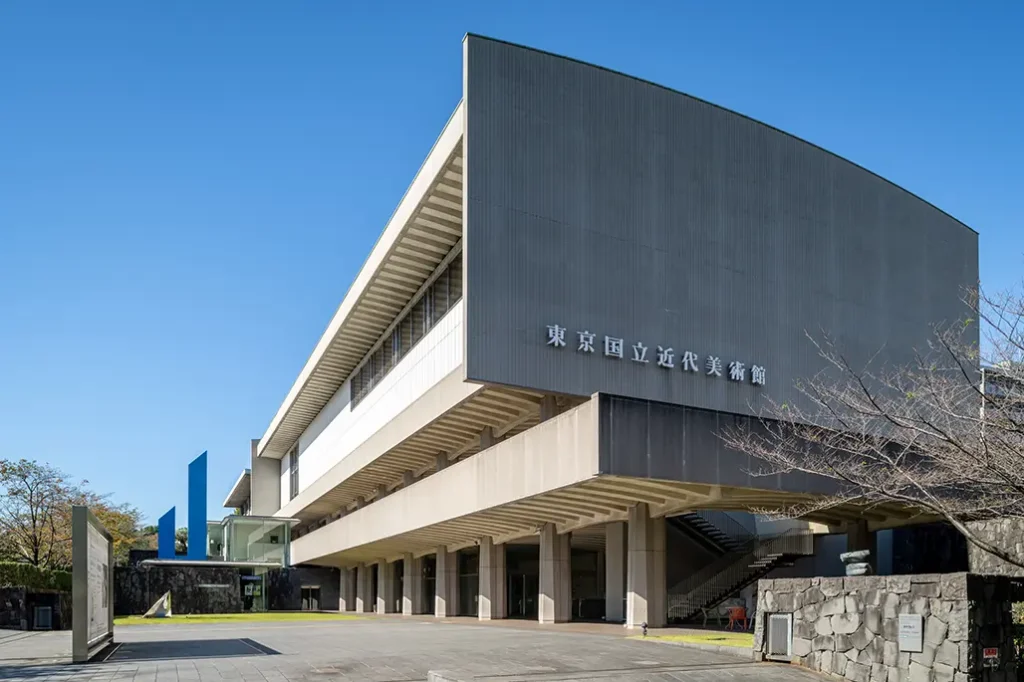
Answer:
(188, 648)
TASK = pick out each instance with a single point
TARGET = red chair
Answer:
(737, 616)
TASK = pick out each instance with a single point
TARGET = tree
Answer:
(181, 541)
(122, 522)
(930, 436)
(35, 515)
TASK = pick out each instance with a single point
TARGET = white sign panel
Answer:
(99, 579)
(911, 634)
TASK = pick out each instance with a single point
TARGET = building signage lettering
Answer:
(665, 357)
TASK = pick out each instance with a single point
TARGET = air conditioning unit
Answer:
(43, 618)
(779, 636)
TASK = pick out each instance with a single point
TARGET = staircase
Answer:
(715, 530)
(735, 570)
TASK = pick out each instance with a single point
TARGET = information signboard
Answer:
(92, 585)
(911, 632)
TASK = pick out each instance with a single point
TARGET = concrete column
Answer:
(408, 479)
(614, 571)
(487, 438)
(487, 588)
(657, 605)
(347, 599)
(446, 588)
(491, 602)
(441, 462)
(554, 600)
(547, 407)
(500, 608)
(364, 585)
(412, 585)
(858, 537)
(645, 575)
(385, 587)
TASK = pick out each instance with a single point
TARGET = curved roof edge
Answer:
(470, 34)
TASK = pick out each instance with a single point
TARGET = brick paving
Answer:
(374, 650)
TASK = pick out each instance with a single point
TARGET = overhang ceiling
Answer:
(505, 411)
(240, 491)
(433, 229)
(588, 505)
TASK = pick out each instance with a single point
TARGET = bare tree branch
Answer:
(931, 436)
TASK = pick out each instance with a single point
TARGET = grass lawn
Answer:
(266, 617)
(743, 640)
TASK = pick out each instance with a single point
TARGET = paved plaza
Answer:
(373, 650)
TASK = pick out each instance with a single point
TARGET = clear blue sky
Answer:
(187, 188)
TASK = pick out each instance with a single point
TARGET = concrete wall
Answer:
(824, 563)
(683, 556)
(340, 428)
(264, 484)
(285, 481)
(603, 203)
(684, 444)
(284, 587)
(849, 627)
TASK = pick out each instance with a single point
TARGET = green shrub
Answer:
(23, 575)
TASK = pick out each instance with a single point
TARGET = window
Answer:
(418, 314)
(455, 280)
(293, 474)
(440, 295)
(435, 302)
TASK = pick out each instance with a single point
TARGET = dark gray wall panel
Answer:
(603, 203)
(647, 439)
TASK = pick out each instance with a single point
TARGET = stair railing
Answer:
(714, 582)
(726, 524)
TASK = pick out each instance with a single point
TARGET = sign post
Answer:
(92, 585)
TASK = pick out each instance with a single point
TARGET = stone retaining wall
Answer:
(849, 627)
(1007, 533)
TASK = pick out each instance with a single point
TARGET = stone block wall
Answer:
(194, 589)
(1006, 533)
(17, 608)
(849, 627)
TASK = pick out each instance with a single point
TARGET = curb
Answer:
(738, 652)
(442, 676)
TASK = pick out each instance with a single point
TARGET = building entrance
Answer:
(469, 581)
(429, 582)
(522, 568)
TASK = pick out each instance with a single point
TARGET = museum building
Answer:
(516, 410)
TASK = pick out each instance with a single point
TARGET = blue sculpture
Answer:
(165, 536)
(197, 509)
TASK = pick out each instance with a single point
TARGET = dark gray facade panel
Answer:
(645, 439)
(606, 204)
